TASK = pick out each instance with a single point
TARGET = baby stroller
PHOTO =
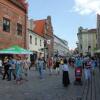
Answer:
(78, 76)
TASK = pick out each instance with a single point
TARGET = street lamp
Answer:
(89, 50)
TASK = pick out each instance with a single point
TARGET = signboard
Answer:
(48, 41)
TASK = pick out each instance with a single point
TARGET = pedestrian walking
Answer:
(26, 64)
(69, 61)
(11, 70)
(93, 65)
(50, 65)
(6, 68)
(65, 78)
(87, 69)
(32, 64)
(40, 64)
(78, 71)
(45, 64)
(61, 63)
(98, 62)
(57, 66)
(1, 67)
(18, 70)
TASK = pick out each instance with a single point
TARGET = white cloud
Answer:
(85, 7)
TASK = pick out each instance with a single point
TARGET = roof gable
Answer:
(39, 27)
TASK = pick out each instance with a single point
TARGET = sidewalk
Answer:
(91, 89)
(97, 84)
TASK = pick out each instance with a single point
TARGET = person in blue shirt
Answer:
(78, 62)
(11, 68)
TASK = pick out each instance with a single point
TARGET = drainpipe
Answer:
(26, 34)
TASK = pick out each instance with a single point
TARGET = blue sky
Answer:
(67, 16)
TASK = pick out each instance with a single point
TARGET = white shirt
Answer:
(65, 67)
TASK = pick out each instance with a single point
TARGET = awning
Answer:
(97, 51)
(15, 50)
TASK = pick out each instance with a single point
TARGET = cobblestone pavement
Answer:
(49, 88)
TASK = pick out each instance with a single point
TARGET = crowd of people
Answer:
(14, 66)
(19, 67)
(88, 65)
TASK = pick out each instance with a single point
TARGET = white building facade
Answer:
(35, 42)
(60, 47)
(87, 41)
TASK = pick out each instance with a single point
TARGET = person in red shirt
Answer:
(50, 65)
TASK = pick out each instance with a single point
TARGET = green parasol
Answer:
(15, 50)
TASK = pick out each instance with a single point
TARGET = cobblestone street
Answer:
(49, 49)
(49, 88)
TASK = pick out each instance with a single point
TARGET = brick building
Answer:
(44, 28)
(13, 21)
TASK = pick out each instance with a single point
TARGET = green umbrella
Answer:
(15, 50)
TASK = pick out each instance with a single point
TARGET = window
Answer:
(96, 45)
(19, 29)
(81, 46)
(35, 41)
(40, 42)
(6, 25)
(30, 39)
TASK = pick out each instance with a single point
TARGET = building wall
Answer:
(87, 38)
(79, 42)
(15, 15)
(98, 31)
(48, 35)
(92, 42)
(84, 43)
(38, 47)
(60, 47)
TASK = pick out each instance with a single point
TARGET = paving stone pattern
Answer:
(49, 88)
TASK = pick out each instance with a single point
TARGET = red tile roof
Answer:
(39, 27)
